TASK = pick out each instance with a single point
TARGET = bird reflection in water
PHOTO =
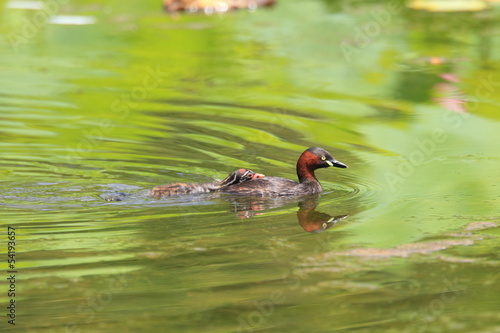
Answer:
(314, 221)
(308, 217)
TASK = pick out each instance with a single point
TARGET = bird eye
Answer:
(323, 158)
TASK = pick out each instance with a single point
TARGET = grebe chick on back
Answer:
(310, 160)
(236, 177)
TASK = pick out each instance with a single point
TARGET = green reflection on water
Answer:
(141, 99)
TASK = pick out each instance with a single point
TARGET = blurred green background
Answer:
(120, 96)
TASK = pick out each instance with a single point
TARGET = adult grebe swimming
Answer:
(310, 160)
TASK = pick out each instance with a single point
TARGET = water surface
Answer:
(405, 240)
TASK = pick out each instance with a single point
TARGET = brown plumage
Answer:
(236, 177)
(310, 160)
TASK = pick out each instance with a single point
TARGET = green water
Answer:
(408, 100)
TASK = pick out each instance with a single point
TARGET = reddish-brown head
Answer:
(315, 158)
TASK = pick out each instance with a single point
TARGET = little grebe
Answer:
(236, 177)
(310, 160)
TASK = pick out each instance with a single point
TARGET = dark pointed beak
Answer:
(337, 164)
